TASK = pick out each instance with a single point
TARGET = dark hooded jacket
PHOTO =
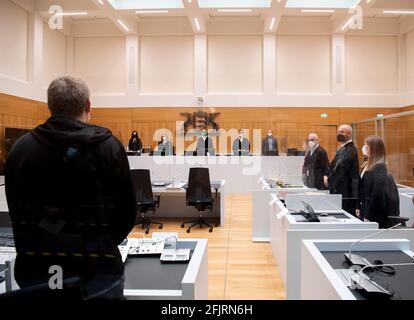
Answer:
(71, 201)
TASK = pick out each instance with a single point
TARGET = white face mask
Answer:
(365, 151)
(269, 134)
(312, 144)
(164, 139)
(240, 135)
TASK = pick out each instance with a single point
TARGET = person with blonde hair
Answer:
(378, 191)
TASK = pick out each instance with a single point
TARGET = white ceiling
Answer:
(205, 11)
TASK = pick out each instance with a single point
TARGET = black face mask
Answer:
(340, 138)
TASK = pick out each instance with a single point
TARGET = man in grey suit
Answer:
(205, 145)
(165, 147)
(241, 145)
(269, 145)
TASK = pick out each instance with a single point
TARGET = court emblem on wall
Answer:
(200, 120)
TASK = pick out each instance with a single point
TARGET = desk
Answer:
(280, 228)
(321, 259)
(173, 202)
(261, 198)
(241, 173)
(148, 278)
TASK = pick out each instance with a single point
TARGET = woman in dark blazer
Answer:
(378, 192)
(135, 143)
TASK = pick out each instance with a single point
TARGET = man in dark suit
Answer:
(344, 170)
(205, 145)
(165, 147)
(316, 165)
(269, 145)
(241, 145)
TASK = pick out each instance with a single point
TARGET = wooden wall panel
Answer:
(291, 125)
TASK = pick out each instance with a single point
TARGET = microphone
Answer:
(362, 281)
(354, 259)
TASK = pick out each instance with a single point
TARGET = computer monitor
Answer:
(292, 152)
(310, 213)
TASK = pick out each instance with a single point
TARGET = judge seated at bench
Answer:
(205, 145)
(164, 148)
(241, 145)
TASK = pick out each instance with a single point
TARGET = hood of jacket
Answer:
(60, 133)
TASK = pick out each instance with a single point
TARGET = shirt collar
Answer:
(346, 143)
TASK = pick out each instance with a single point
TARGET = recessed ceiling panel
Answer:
(340, 4)
(234, 3)
(146, 4)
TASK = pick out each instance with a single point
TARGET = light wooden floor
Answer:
(237, 267)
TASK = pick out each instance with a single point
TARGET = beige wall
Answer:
(304, 64)
(13, 40)
(166, 64)
(101, 62)
(371, 64)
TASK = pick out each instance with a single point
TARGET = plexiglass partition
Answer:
(397, 130)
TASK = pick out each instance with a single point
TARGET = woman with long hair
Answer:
(135, 143)
(378, 191)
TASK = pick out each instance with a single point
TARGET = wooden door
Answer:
(327, 138)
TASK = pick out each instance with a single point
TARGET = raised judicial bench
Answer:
(146, 277)
(241, 173)
(173, 202)
(325, 275)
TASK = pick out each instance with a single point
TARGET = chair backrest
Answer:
(393, 196)
(199, 187)
(141, 180)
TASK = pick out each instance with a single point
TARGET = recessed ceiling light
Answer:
(347, 24)
(234, 10)
(401, 12)
(151, 11)
(123, 25)
(72, 14)
(146, 4)
(234, 3)
(322, 4)
(197, 24)
(272, 23)
(318, 10)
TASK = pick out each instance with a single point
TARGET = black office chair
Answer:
(144, 197)
(394, 199)
(198, 195)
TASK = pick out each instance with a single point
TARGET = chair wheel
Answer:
(160, 226)
(210, 230)
(216, 225)
(182, 225)
(146, 231)
(188, 230)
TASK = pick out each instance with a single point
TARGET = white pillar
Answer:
(200, 65)
(269, 64)
(338, 65)
(35, 56)
(132, 64)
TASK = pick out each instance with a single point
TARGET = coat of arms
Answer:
(200, 120)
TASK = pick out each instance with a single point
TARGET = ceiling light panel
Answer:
(234, 3)
(322, 4)
(146, 4)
